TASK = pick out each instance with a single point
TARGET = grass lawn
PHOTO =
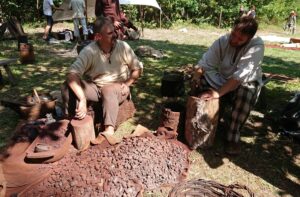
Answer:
(270, 163)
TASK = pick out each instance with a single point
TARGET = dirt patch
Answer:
(126, 169)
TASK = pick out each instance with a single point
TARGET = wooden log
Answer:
(5, 64)
(295, 40)
(16, 27)
(83, 132)
(201, 122)
(9, 74)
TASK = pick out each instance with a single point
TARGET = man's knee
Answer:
(109, 90)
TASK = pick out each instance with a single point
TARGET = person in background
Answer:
(231, 71)
(111, 8)
(291, 22)
(252, 12)
(78, 7)
(110, 67)
(242, 11)
(48, 5)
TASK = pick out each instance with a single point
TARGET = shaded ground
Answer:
(270, 163)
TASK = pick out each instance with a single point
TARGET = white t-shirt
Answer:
(47, 7)
(219, 64)
(78, 7)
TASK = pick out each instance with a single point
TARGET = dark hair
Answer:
(100, 22)
(246, 25)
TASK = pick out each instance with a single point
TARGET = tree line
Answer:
(214, 12)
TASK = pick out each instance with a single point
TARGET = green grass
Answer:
(269, 164)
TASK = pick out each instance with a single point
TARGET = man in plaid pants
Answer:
(230, 70)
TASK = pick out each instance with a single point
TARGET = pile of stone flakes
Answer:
(126, 169)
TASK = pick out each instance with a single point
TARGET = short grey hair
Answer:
(100, 22)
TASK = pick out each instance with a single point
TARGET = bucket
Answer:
(26, 53)
(22, 39)
(172, 84)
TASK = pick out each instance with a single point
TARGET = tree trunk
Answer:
(83, 132)
(201, 122)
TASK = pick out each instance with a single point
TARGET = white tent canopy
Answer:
(141, 2)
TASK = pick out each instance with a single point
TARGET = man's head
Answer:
(243, 31)
(104, 30)
(293, 12)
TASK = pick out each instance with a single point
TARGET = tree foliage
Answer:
(225, 11)
(25, 10)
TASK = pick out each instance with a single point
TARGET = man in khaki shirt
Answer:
(110, 66)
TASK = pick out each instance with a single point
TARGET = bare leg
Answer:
(46, 32)
(111, 98)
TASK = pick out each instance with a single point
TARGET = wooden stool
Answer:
(5, 64)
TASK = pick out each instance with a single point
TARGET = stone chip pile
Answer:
(126, 169)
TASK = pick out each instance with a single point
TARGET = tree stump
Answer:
(201, 122)
(83, 132)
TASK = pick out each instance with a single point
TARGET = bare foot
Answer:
(111, 139)
(109, 130)
(107, 134)
(98, 140)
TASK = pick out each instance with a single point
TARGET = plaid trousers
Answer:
(240, 101)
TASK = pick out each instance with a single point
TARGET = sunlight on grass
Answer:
(259, 167)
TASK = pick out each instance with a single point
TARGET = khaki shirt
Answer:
(102, 70)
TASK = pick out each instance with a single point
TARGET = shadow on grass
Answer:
(46, 73)
(146, 93)
(281, 66)
(270, 159)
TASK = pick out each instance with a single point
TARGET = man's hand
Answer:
(124, 89)
(197, 74)
(210, 94)
(117, 24)
(195, 81)
(81, 109)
